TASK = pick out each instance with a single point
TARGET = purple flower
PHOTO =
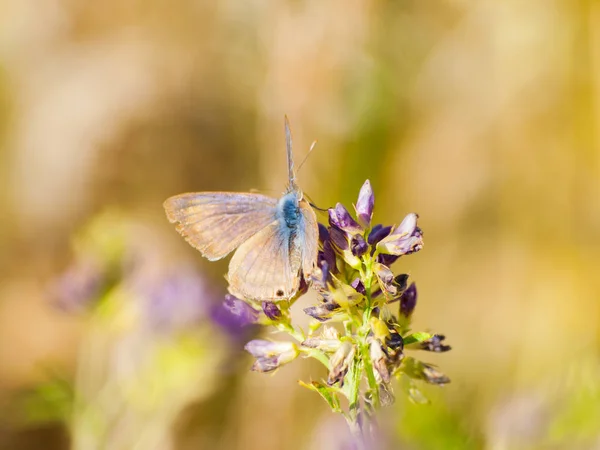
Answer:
(271, 355)
(177, 300)
(358, 245)
(378, 232)
(323, 233)
(234, 315)
(340, 217)
(339, 238)
(365, 204)
(79, 286)
(271, 310)
(405, 239)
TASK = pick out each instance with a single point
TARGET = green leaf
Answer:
(328, 394)
(416, 338)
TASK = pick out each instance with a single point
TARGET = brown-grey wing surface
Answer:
(216, 223)
(261, 268)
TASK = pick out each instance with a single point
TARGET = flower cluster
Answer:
(360, 326)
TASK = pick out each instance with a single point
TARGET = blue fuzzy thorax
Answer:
(288, 210)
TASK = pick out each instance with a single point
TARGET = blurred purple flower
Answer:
(79, 286)
(177, 300)
(234, 315)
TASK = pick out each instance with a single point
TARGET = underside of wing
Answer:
(261, 269)
(310, 238)
(216, 223)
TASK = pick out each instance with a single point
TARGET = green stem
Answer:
(318, 355)
(289, 329)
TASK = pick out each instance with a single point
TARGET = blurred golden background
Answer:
(481, 116)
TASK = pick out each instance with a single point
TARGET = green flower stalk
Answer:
(360, 326)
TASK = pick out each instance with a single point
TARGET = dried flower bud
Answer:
(325, 345)
(271, 355)
(385, 277)
(322, 312)
(365, 204)
(340, 363)
(422, 371)
(434, 344)
(379, 360)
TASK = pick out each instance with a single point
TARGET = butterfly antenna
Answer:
(312, 146)
(290, 156)
(310, 202)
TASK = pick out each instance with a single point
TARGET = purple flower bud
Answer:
(435, 344)
(364, 205)
(358, 245)
(340, 217)
(271, 310)
(406, 239)
(378, 232)
(271, 355)
(408, 300)
(339, 238)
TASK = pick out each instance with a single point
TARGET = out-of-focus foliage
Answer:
(480, 116)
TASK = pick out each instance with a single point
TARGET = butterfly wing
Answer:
(310, 239)
(216, 223)
(261, 268)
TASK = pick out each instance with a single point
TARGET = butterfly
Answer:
(276, 239)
